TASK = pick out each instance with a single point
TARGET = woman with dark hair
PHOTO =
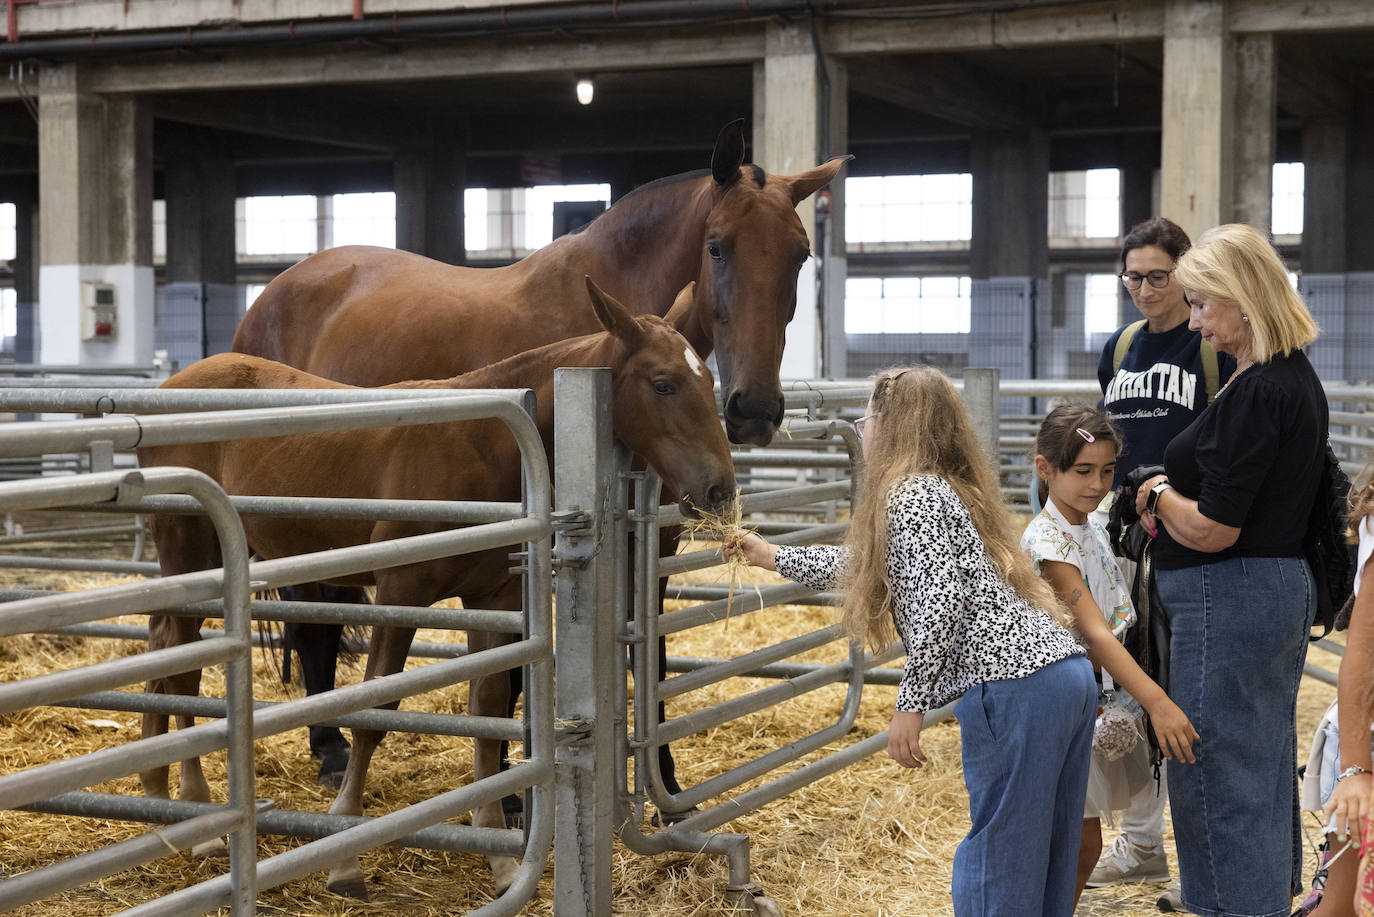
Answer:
(1157, 376)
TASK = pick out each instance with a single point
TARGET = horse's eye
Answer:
(713, 249)
(664, 387)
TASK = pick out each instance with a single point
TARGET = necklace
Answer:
(1235, 375)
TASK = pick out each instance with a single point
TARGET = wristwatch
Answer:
(1351, 771)
(1152, 501)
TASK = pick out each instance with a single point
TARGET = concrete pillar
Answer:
(198, 184)
(800, 121)
(25, 277)
(1324, 159)
(1137, 185)
(95, 192)
(1360, 184)
(429, 199)
(1197, 187)
(1009, 251)
(200, 305)
(1253, 140)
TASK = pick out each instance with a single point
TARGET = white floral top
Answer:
(961, 623)
(1087, 548)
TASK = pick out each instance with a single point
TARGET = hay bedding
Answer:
(872, 840)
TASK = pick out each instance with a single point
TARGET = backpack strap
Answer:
(1211, 373)
(1123, 344)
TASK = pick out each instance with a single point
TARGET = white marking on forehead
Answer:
(692, 360)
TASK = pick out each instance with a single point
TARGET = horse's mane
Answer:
(760, 179)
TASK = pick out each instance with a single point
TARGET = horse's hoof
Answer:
(332, 768)
(503, 870)
(513, 811)
(348, 881)
(210, 849)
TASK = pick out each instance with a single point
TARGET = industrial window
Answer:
(9, 315)
(1287, 201)
(1101, 309)
(159, 231)
(907, 305)
(1084, 205)
(365, 219)
(908, 208)
(541, 203)
(251, 292)
(9, 231)
(475, 219)
(280, 225)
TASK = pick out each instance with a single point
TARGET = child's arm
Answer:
(1349, 804)
(1171, 725)
(816, 566)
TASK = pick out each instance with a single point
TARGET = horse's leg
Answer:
(317, 647)
(184, 544)
(667, 768)
(165, 631)
(386, 656)
(493, 695)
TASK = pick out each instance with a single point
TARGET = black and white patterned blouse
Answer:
(961, 622)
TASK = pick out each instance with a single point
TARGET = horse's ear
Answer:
(809, 182)
(613, 316)
(680, 315)
(728, 155)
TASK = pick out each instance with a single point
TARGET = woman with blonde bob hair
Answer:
(932, 556)
(1232, 510)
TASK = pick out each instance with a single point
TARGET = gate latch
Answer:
(575, 523)
(573, 548)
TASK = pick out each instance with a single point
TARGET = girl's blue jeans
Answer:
(1239, 639)
(1026, 747)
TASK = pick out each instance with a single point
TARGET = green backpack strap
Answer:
(1211, 373)
(1123, 344)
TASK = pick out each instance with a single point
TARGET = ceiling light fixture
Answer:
(585, 90)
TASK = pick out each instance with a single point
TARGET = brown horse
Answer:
(663, 409)
(370, 316)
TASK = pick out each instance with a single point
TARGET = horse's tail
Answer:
(279, 640)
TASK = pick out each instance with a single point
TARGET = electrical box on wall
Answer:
(99, 314)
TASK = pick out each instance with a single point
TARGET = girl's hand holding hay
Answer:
(749, 547)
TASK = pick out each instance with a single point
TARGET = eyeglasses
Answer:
(863, 422)
(1158, 279)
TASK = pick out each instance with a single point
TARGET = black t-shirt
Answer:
(1252, 460)
(1156, 393)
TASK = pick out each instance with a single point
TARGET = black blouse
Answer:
(1252, 460)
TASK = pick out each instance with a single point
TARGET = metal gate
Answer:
(54, 787)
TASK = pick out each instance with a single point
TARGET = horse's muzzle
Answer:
(713, 499)
(747, 422)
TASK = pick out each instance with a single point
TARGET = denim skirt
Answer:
(1238, 642)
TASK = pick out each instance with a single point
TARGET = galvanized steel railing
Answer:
(492, 526)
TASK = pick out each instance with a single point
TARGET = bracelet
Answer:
(1351, 771)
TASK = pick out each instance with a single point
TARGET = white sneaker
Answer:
(1124, 862)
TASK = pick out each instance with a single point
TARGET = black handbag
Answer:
(1127, 535)
(1329, 553)
(1148, 639)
